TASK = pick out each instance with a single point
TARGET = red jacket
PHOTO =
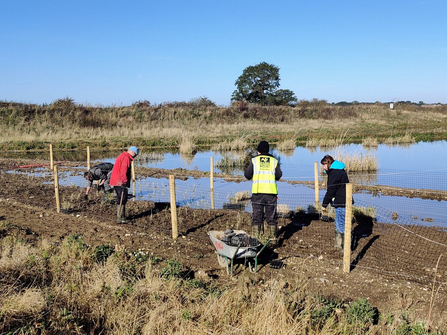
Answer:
(121, 170)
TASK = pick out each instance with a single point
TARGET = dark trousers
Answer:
(121, 195)
(264, 207)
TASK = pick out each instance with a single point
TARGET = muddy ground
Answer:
(305, 252)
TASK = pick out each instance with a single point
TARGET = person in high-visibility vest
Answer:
(264, 170)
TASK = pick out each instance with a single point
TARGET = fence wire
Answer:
(399, 227)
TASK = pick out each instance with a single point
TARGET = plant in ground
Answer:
(361, 312)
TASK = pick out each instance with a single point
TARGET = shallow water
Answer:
(415, 166)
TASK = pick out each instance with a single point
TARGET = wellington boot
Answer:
(121, 215)
(338, 240)
(255, 231)
(273, 235)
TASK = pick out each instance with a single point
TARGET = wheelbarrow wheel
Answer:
(223, 261)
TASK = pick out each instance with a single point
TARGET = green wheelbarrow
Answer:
(247, 250)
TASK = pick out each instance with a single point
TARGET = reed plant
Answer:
(370, 142)
(237, 144)
(355, 162)
(187, 146)
(241, 196)
(32, 127)
(400, 140)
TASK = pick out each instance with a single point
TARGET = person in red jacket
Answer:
(120, 180)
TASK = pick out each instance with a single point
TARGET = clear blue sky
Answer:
(118, 52)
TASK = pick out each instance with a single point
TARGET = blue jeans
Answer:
(340, 219)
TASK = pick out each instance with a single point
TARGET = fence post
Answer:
(88, 158)
(317, 186)
(133, 170)
(173, 207)
(56, 189)
(348, 229)
(212, 181)
(51, 157)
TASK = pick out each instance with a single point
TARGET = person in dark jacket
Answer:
(120, 180)
(101, 173)
(337, 178)
(264, 170)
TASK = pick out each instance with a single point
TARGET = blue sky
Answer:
(118, 52)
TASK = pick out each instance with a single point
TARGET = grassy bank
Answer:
(69, 126)
(77, 289)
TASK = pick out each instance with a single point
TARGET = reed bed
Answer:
(187, 146)
(68, 125)
(76, 289)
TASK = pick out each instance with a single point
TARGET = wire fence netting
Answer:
(399, 217)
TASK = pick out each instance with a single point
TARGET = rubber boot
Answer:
(121, 214)
(255, 231)
(342, 241)
(338, 240)
(273, 236)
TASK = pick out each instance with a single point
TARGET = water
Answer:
(416, 166)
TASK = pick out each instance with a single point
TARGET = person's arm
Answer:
(249, 171)
(332, 186)
(278, 172)
(123, 171)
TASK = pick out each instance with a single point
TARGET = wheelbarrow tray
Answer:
(226, 254)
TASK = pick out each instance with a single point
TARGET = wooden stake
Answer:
(317, 186)
(51, 157)
(212, 181)
(56, 189)
(133, 171)
(88, 158)
(348, 229)
(173, 208)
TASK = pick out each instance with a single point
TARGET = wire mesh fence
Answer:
(399, 217)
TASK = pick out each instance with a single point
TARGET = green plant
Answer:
(123, 291)
(171, 270)
(186, 315)
(102, 252)
(361, 312)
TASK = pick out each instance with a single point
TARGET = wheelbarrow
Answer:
(247, 250)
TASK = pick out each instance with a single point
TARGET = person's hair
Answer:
(327, 159)
(88, 175)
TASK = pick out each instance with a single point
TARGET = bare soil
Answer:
(305, 252)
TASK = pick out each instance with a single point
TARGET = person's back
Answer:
(264, 170)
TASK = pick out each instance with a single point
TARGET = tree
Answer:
(259, 84)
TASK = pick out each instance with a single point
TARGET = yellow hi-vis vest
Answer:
(264, 175)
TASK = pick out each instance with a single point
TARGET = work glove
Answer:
(85, 197)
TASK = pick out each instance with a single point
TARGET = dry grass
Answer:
(227, 128)
(187, 146)
(70, 291)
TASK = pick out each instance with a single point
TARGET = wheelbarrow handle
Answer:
(268, 241)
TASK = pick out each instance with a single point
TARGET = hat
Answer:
(263, 147)
(134, 149)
